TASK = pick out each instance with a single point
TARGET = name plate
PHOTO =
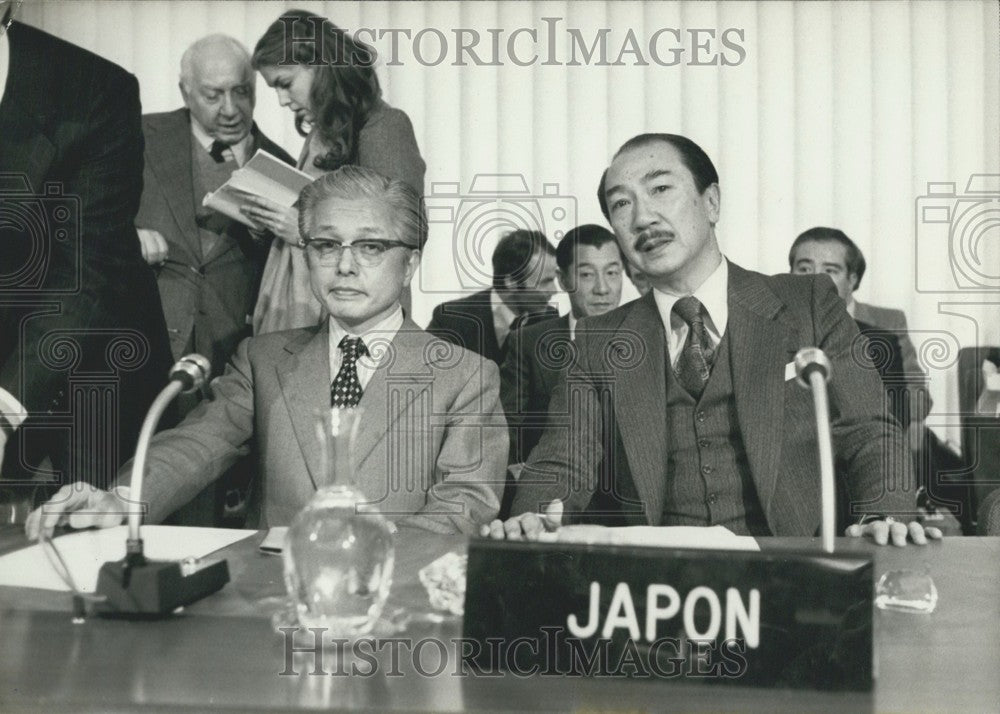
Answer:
(768, 619)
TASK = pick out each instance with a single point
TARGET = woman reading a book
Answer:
(330, 85)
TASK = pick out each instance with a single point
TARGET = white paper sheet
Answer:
(85, 552)
(712, 538)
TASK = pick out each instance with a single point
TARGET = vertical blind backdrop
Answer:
(833, 114)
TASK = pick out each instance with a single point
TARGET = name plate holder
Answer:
(780, 618)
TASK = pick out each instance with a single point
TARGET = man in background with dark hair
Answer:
(524, 281)
(830, 251)
(83, 346)
(590, 271)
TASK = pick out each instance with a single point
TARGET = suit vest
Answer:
(708, 476)
(207, 176)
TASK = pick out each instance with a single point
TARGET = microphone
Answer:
(812, 371)
(139, 587)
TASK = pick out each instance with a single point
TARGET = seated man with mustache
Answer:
(432, 444)
(687, 396)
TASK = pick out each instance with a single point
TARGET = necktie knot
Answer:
(216, 152)
(352, 348)
(690, 310)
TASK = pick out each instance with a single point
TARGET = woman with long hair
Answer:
(330, 84)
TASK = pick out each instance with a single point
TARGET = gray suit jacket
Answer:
(895, 321)
(431, 449)
(209, 295)
(617, 387)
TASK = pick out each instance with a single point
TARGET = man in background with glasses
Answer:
(432, 444)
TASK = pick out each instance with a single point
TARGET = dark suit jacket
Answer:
(621, 363)
(430, 450)
(883, 349)
(81, 320)
(538, 357)
(468, 322)
(209, 295)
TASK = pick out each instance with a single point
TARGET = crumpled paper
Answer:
(445, 582)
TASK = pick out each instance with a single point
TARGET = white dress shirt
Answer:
(10, 408)
(4, 61)
(376, 340)
(713, 294)
(238, 151)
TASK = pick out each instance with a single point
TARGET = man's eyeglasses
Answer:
(368, 252)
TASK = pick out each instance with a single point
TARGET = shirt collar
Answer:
(572, 326)
(384, 331)
(240, 149)
(713, 294)
(503, 316)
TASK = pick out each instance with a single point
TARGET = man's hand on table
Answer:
(79, 505)
(527, 526)
(886, 529)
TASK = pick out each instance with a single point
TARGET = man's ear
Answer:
(713, 202)
(565, 280)
(853, 278)
(184, 94)
(411, 266)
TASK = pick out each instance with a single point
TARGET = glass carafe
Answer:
(338, 558)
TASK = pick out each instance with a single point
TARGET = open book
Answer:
(263, 175)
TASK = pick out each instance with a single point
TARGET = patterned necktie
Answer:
(346, 389)
(216, 151)
(694, 365)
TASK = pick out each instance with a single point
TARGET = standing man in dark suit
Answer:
(590, 271)
(688, 395)
(83, 346)
(524, 280)
(209, 265)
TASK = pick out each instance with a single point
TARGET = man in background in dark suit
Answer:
(83, 346)
(524, 280)
(590, 271)
(685, 409)
(830, 251)
(208, 265)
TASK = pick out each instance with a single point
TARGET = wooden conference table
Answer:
(223, 653)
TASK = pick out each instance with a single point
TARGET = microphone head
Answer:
(809, 360)
(192, 371)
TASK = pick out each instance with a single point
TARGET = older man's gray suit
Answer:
(207, 295)
(618, 392)
(431, 449)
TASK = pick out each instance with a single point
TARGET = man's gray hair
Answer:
(199, 46)
(357, 183)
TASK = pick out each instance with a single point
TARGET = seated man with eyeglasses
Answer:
(431, 449)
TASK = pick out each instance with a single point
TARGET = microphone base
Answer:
(155, 588)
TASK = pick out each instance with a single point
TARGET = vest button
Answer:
(702, 443)
(712, 498)
(707, 470)
(700, 416)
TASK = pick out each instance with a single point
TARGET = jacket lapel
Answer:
(640, 398)
(170, 160)
(304, 376)
(761, 343)
(25, 146)
(407, 359)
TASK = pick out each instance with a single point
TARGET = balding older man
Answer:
(209, 264)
